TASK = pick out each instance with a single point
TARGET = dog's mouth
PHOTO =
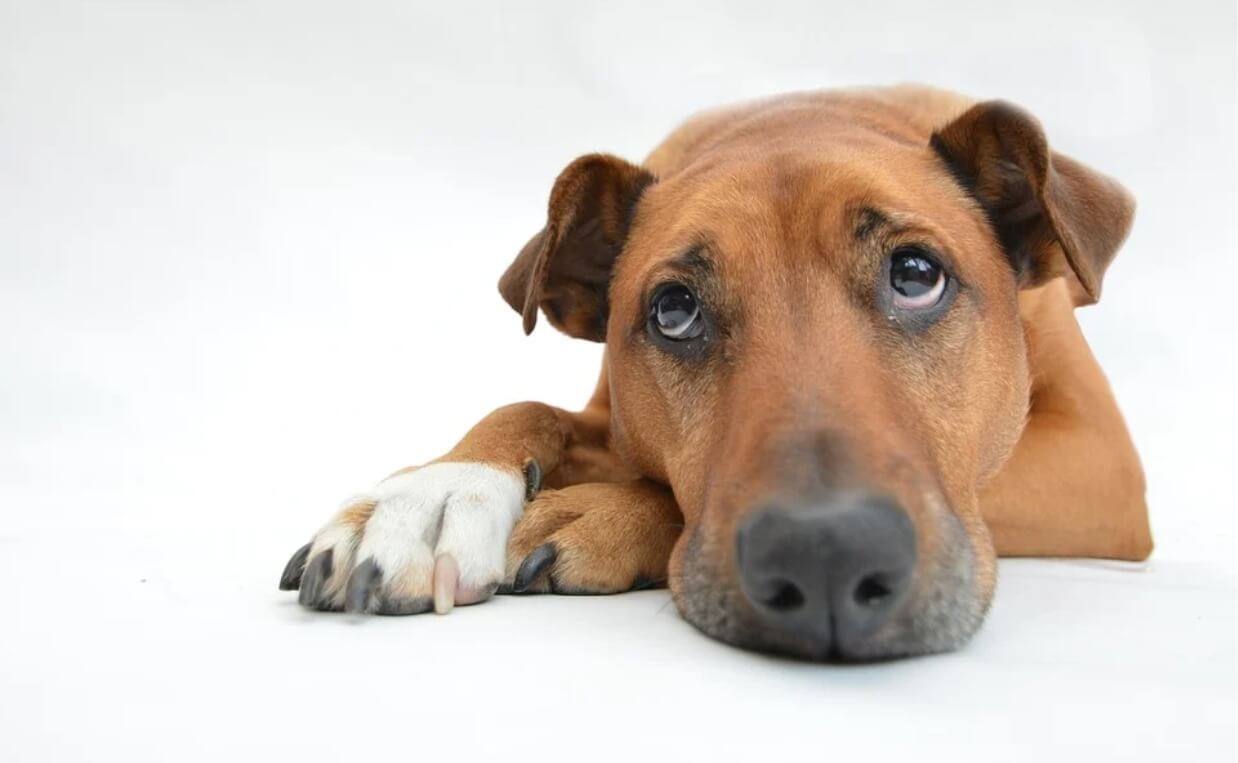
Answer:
(845, 582)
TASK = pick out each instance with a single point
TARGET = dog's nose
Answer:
(827, 574)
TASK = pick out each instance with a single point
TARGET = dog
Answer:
(842, 376)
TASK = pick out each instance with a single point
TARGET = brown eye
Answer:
(675, 313)
(917, 279)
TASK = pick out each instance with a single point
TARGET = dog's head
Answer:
(813, 337)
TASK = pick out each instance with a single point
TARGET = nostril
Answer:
(785, 596)
(872, 591)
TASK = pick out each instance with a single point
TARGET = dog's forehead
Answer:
(800, 198)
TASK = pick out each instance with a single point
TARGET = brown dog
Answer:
(842, 374)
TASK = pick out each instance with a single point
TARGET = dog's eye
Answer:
(917, 279)
(675, 313)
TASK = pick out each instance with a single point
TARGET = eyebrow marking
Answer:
(694, 261)
(870, 221)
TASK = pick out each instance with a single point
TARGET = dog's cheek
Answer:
(639, 427)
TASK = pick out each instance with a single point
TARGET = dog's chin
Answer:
(945, 608)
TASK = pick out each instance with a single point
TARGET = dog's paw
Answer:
(430, 537)
(594, 538)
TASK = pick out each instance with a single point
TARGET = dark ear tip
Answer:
(530, 321)
(1089, 294)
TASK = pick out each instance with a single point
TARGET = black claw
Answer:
(532, 478)
(534, 565)
(363, 586)
(317, 572)
(291, 579)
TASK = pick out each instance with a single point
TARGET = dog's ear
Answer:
(1054, 216)
(565, 269)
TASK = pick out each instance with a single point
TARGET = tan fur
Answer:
(357, 514)
(1074, 485)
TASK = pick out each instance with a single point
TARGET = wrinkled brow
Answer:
(871, 222)
(695, 263)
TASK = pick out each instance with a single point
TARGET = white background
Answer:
(248, 256)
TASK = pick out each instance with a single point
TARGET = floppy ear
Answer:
(1053, 215)
(565, 269)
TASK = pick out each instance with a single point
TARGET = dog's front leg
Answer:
(1070, 489)
(436, 535)
(594, 538)
(1074, 485)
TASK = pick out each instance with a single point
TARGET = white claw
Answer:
(446, 575)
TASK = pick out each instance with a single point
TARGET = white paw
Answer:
(433, 537)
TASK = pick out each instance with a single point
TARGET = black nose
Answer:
(827, 575)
